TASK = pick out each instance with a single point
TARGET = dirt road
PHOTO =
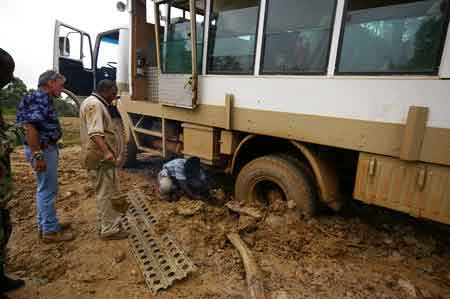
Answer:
(369, 253)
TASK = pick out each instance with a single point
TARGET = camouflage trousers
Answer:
(110, 203)
(5, 177)
(5, 194)
(5, 233)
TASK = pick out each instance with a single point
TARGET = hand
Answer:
(108, 157)
(39, 165)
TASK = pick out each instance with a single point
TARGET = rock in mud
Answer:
(119, 257)
(408, 287)
(276, 221)
(280, 295)
(247, 223)
(244, 210)
(189, 207)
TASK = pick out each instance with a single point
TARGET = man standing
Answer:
(6, 284)
(99, 152)
(37, 115)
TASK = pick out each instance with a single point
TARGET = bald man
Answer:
(6, 283)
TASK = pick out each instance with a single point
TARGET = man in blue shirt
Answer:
(183, 176)
(37, 115)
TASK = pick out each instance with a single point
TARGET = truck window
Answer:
(393, 37)
(69, 43)
(232, 36)
(176, 44)
(108, 51)
(87, 55)
(297, 36)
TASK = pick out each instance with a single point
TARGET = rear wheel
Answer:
(264, 174)
(126, 150)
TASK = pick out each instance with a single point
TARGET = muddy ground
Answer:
(366, 253)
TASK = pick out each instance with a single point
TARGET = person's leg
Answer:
(93, 181)
(6, 284)
(47, 191)
(106, 187)
(29, 157)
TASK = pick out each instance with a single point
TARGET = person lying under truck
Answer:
(183, 177)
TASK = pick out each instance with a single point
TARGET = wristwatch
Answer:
(39, 155)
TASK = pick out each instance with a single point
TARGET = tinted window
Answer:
(176, 48)
(393, 36)
(232, 36)
(297, 36)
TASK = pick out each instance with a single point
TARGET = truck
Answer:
(320, 101)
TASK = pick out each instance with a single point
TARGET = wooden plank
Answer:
(164, 138)
(436, 146)
(414, 133)
(228, 107)
(149, 132)
(150, 151)
(359, 135)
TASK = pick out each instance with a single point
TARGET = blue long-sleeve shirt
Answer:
(37, 108)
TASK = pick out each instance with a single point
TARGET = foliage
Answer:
(11, 96)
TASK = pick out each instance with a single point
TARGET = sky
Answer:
(27, 29)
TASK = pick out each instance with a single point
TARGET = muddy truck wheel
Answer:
(284, 173)
(126, 150)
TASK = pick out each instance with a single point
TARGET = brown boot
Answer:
(65, 225)
(60, 236)
(62, 226)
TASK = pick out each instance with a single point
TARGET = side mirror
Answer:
(64, 46)
(121, 6)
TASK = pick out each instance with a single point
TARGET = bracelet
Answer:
(39, 155)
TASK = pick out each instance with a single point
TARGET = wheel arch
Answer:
(325, 175)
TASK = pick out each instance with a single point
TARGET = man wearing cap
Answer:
(37, 115)
(7, 284)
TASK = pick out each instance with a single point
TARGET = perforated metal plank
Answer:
(139, 210)
(160, 259)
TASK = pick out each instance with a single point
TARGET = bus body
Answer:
(317, 100)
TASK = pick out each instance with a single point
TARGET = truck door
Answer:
(72, 57)
(179, 31)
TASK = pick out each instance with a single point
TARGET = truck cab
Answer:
(84, 64)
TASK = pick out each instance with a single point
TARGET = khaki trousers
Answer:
(105, 182)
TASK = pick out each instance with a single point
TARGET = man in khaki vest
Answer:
(98, 155)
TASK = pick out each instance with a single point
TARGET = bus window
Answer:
(297, 36)
(393, 37)
(176, 45)
(232, 36)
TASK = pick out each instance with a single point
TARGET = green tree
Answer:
(11, 95)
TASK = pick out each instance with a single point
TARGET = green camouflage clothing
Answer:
(5, 188)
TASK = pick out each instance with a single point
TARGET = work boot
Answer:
(62, 226)
(8, 284)
(56, 237)
(120, 235)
